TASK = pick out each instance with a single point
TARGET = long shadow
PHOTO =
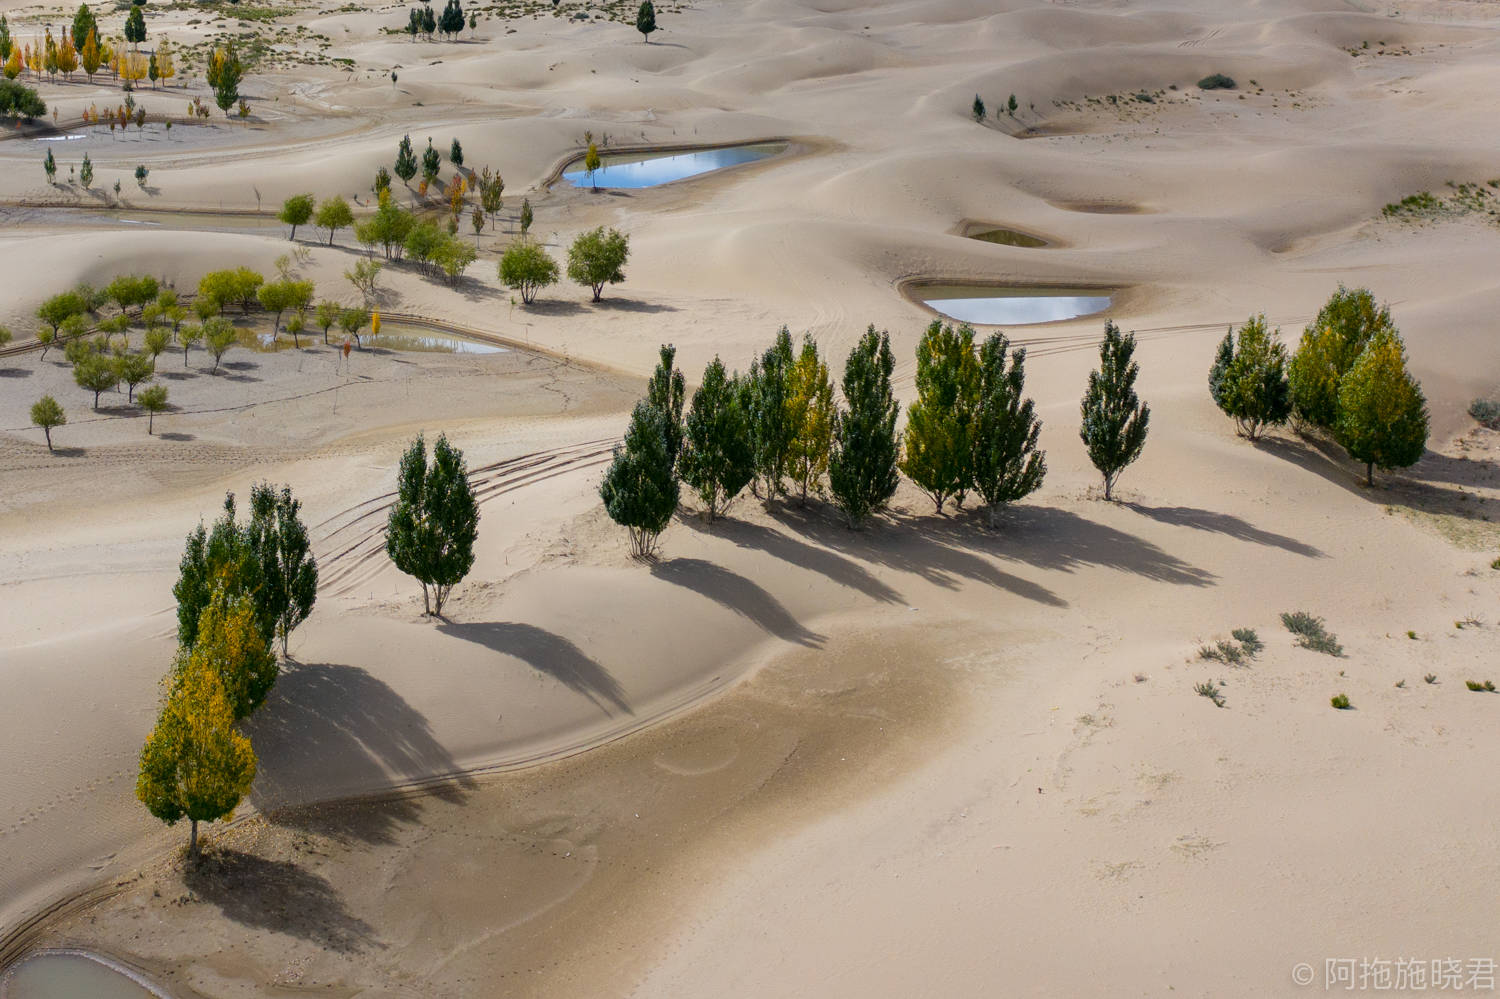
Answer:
(15, 373)
(744, 597)
(912, 546)
(631, 305)
(1049, 538)
(174, 435)
(844, 571)
(239, 365)
(554, 307)
(546, 653)
(280, 896)
(1223, 523)
(324, 717)
(1327, 460)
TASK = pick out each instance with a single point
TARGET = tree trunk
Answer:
(1107, 485)
(193, 843)
(1370, 473)
(293, 236)
(150, 421)
(48, 432)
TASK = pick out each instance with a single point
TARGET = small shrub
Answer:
(1495, 564)
(1311, 634)
(1430, 678)
(1339, 701)
(1249, 640)
(1401, 684)
(1486, 411)
(1412, 635)
(1216, 81)
(1210, 690)
(1487, 685)
(1222, 652)
(1467, 622)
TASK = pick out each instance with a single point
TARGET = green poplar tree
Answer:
(640, 489)
(717, 459)
(1115, 421)
(766, 405)
(666, 392)
(288, 571)
(1007, 466)
(1382, 417)
(406, 160)
(432, 527)
(937, 424)
(50, 166)
(862, 458)
(1248, 379)
(645, 19)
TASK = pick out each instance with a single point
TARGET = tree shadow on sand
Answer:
(1223, 523)
(735, 592)
(279, 896)
(1433, 485)
(794, 551)
(323, 718)
(911, 545)
(546, 653)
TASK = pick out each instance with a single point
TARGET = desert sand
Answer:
(786, 759)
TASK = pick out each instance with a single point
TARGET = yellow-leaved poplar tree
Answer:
(195, 765)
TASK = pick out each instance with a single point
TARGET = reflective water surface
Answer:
(634, 170)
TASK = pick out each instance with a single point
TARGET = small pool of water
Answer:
(70, 975)
(442, 343)
(392, 337)
(635, 170)
(1008, 237)
(1012, 306)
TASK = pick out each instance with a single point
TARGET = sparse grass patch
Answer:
(1401, 684)
(1430, 678)
(1311, 634)
(1210, 690)
(1223, 652)
(1486, 411)
(1476, 685)
(1340, 701)
(1248, 640)
(1467, 622)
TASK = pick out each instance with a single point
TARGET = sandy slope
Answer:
(969, 762)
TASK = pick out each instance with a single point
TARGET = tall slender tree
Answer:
(1114, 420)
(863, 456)
(645, 19)
(194, 764)
(810, 409)
(666, 392)
(1007, 465)
(717, 459)
(766, 401)
(640, 489)
(406, 160)
(938, 448)
(288, 570)
(432, 527)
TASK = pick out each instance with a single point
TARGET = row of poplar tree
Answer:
(1348, 380)
(779, 430)
(242, 586)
